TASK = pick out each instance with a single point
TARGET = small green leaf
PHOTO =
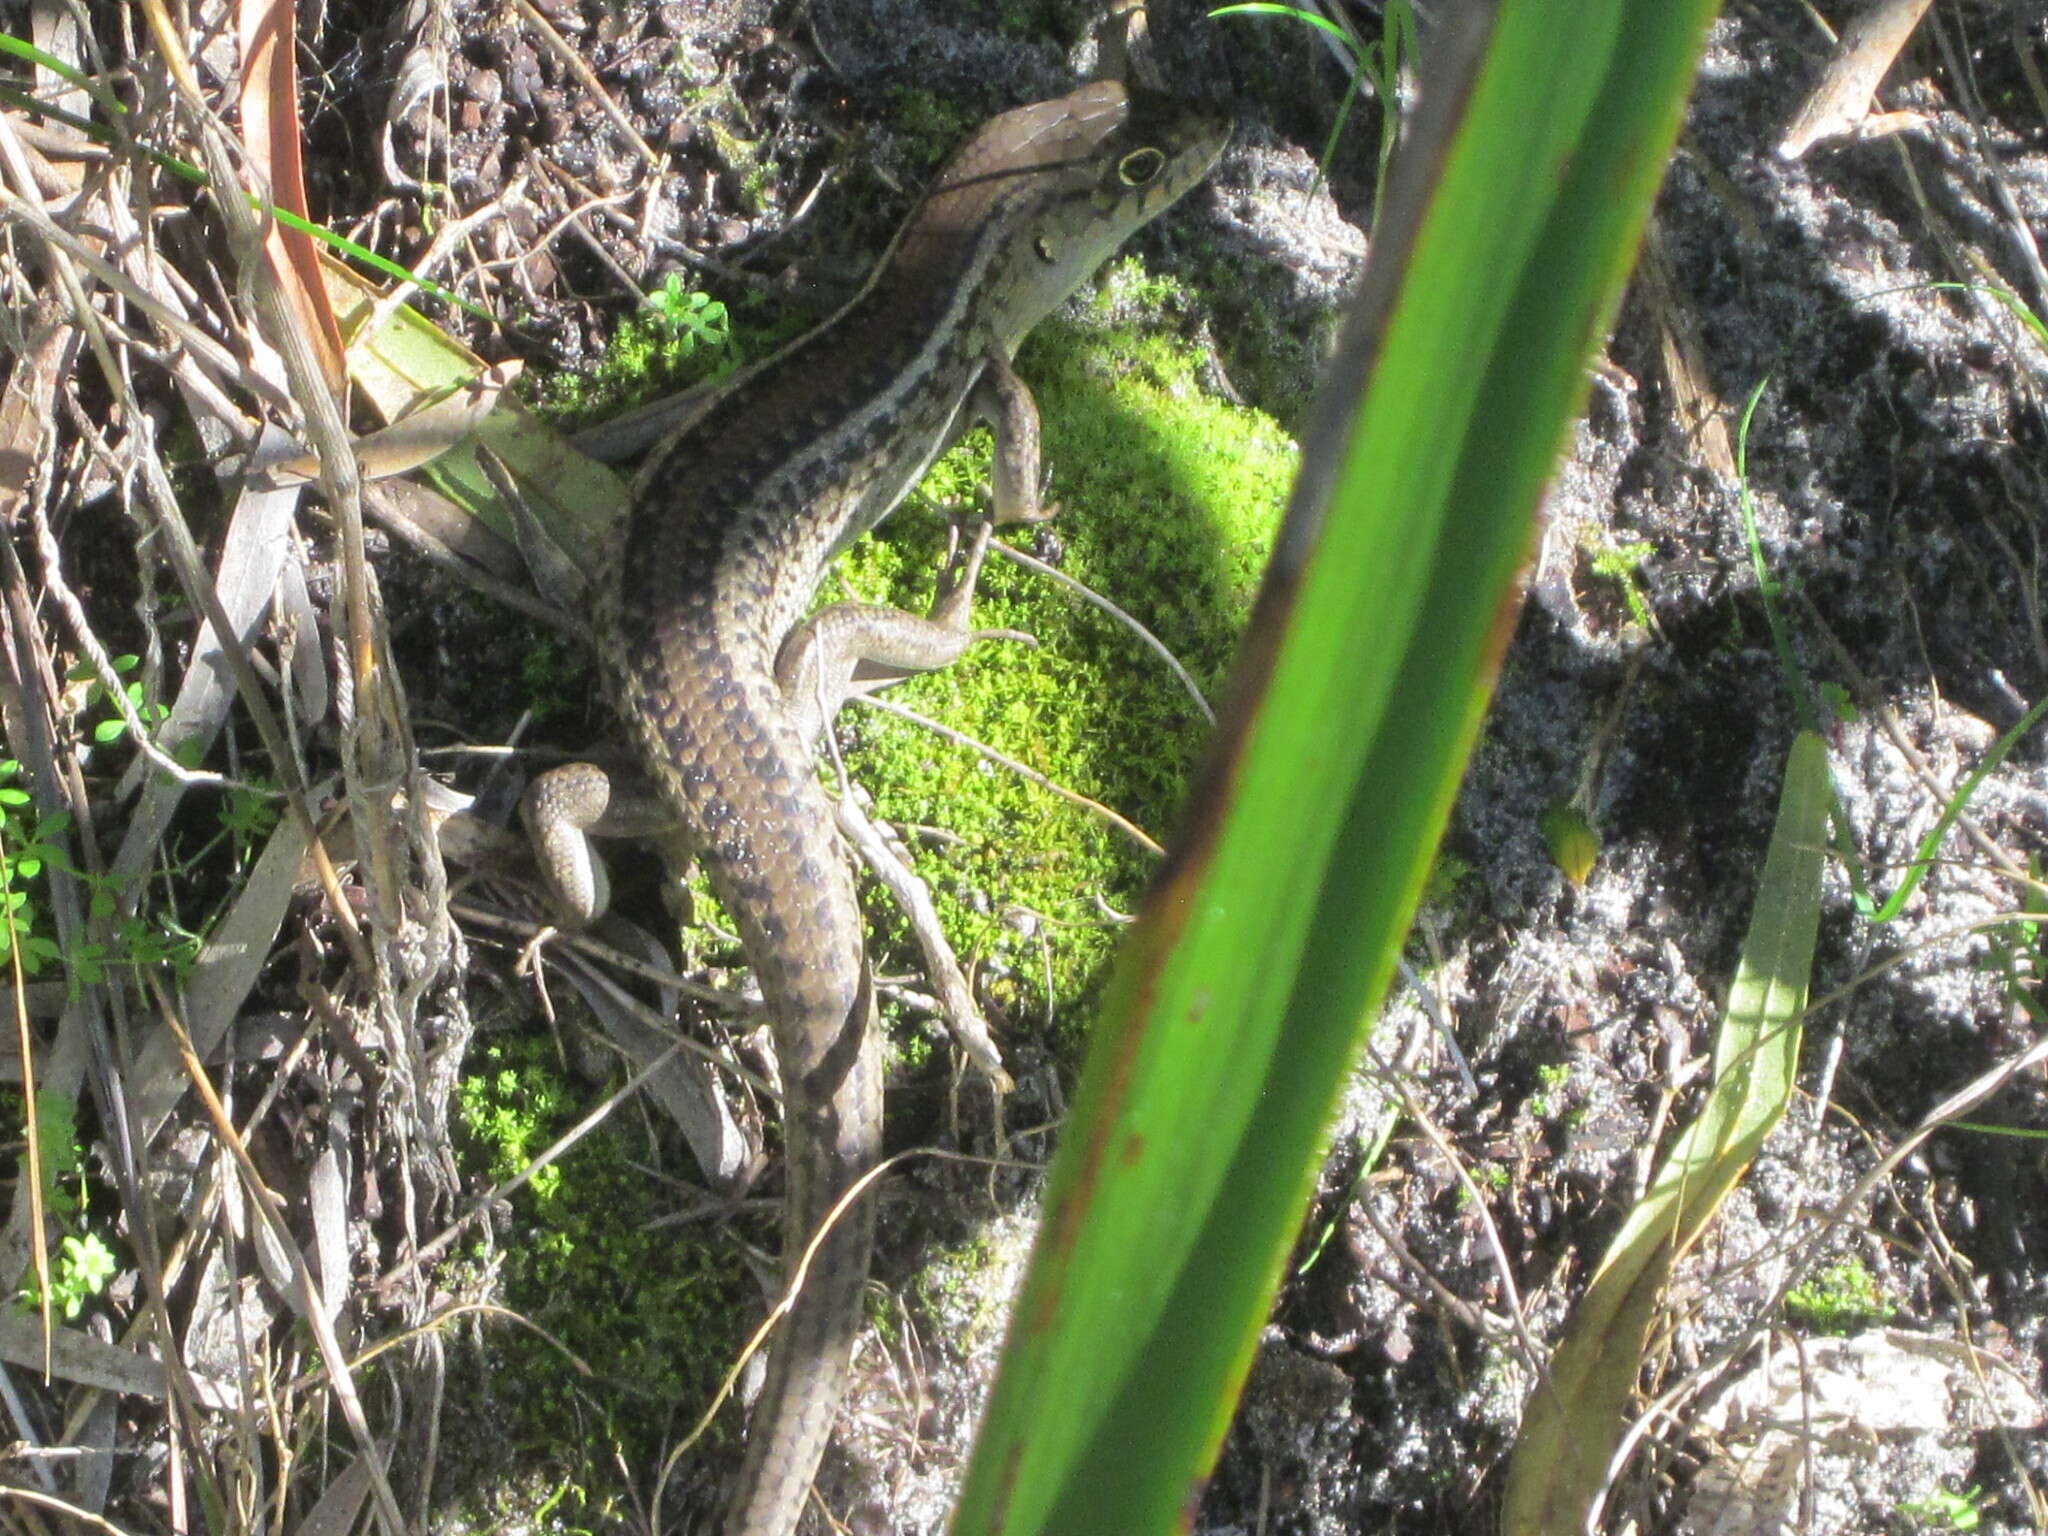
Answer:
(88, 963)
(1574, 845)
(37, 951)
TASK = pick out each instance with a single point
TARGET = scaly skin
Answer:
(732, 523)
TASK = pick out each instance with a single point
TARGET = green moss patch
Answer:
(1168, 500)
(1843, 1298)
(651, 1309)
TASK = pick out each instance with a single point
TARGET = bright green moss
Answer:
(1622, 565)
(592, 1258)
(1842, 1298)
(1168, 500)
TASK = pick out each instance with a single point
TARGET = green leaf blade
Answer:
(1574, 1420)
(1235, 1011)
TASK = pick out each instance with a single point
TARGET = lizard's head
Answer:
(1050, 190)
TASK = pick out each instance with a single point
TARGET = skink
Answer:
(724, 688)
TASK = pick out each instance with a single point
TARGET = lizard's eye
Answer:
(1045, 250)
(1140, 166)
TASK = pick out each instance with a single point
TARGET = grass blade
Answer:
(1234, 1013)
(1574, 1420)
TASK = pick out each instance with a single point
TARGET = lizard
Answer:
(724, 687)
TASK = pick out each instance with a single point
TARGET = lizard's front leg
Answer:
(852, 648)
(1005, 403)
